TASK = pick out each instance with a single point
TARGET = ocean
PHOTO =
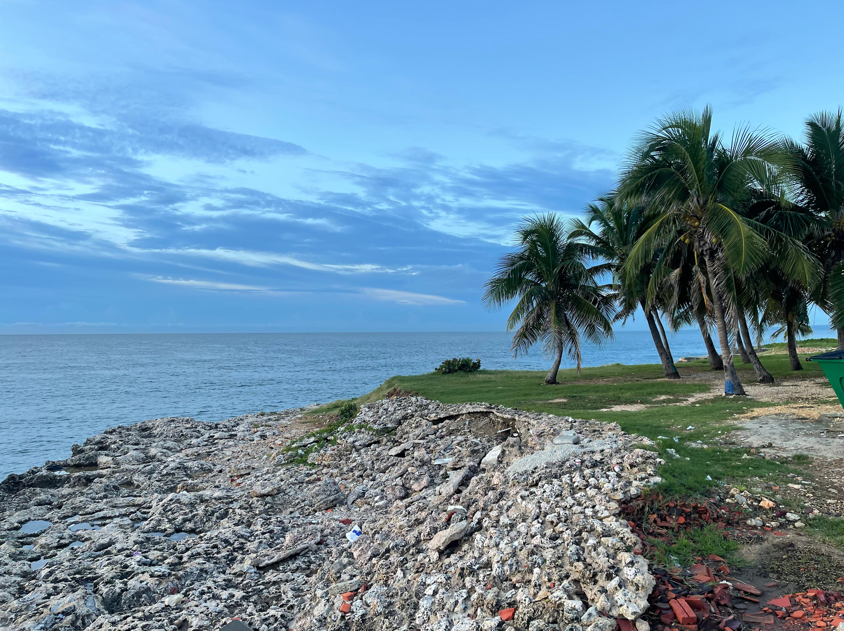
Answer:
(56, 390)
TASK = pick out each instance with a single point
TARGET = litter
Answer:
(354, 533)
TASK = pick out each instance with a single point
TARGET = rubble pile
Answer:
(414, 515)
(707, 598)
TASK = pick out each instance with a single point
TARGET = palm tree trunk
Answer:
(714, 358)
(731, 378)
(551, 378)
(745, 358)
(664, 337)
(793, 359)
(841, 338)
(762, 375)
(667, 364)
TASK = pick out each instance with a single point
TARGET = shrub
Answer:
(458, 364)
(348, 411)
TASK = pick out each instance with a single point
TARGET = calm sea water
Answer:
(56, 390)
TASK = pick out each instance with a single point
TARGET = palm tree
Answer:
(782, 296)
(818, 166)
(612, 229)
(747, 299)
(559, 298)
(697, 182)
(689, 299)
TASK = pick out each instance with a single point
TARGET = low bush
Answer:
(458, 364)
(348, 411)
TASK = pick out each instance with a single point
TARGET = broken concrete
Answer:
(198, 523)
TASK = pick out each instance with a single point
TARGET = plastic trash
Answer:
(354, 533)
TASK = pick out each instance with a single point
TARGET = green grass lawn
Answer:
(584, 395)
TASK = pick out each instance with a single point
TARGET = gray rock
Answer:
(447, 536)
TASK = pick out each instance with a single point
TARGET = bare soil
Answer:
(795, 562)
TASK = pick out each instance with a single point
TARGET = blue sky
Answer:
(337, 166)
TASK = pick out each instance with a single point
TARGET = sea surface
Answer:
(56, 390)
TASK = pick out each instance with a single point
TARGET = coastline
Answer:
(181, 524)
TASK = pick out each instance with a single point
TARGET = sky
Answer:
(334, 166)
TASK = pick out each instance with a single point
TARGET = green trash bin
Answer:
(832, 364)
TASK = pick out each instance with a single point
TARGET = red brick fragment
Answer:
(684, 613)
(625, 625)
(758, 618)
(346, 522)
(345, 608)
(349, 596)
(785, 601)
(798, 614)
(748, 589)
(507, 614)
(667, 617)
(696, 604)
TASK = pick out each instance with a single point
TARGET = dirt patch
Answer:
(788, 434)
(803, 410)
(795, 562)
(787, 390)
(628, 407)
(484, 424)
(791, 390)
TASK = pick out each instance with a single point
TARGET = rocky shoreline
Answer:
(470, 517)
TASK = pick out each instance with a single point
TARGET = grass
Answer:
(814, 342)
(829, 529)
(694, 544)
(587, 394)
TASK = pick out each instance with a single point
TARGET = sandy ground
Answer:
(789, 390)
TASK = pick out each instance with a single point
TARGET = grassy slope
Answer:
(596, 388)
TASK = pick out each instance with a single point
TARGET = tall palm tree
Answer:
(688, 298)
(559, 298)
(783, 297)
(745, 298)
(818, 166)
(612, 229)
(697, 183)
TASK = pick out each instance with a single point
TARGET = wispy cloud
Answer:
(268, 259)
(206, 284)
(408, 298)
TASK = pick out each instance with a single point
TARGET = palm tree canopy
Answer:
(819, 163)
(612, 228)
(685, 170)
(701, 187)
(557, 292)
(818, 170)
